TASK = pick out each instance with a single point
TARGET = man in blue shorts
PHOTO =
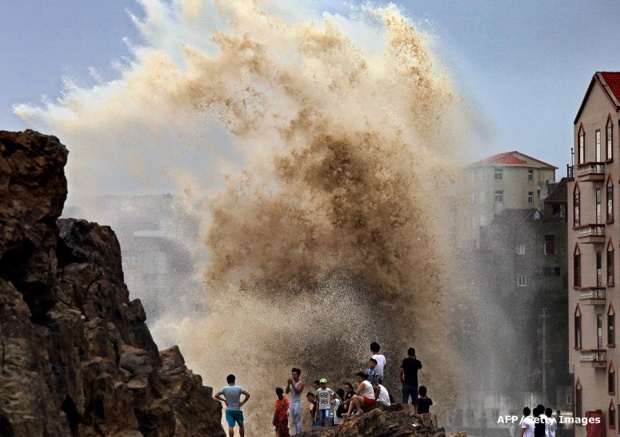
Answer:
(232, 393)
(409, 377)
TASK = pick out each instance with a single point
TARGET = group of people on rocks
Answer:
(540, 422)
(328, 407)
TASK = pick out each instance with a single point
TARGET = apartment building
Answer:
(521, 277)
(510, 180)
(593, 235)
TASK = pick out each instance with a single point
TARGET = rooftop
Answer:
(515, 159)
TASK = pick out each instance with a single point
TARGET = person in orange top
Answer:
(280, 415)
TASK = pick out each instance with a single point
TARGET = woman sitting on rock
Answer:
(364, 395)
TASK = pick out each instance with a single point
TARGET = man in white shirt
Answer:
(551, 424)
(375, 348)
(382, 395)
(527, 423)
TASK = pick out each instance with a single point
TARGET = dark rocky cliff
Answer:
(76, 357)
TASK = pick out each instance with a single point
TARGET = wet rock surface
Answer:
(379, 423)
(76, 357)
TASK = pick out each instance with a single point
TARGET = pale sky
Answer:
(524, 65)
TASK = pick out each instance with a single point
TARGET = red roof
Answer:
(502, 158)
(613, 80)
(513, 158)
(610, 82)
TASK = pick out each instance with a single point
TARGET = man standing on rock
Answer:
(295, 387)
(409, 377)
(380, 359)
(232, 393)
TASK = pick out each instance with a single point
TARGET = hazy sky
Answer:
(524, 65)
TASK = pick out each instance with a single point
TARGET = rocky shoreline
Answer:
(76, 357)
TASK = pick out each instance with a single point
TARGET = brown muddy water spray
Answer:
(325, 147)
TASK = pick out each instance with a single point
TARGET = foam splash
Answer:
(324, 143)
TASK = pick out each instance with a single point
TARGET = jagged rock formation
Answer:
(379, 423)
(76, 357)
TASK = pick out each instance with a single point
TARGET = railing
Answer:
(590, 168)
(592, 293)
(570, 171)
(597, 230)
(593, 356)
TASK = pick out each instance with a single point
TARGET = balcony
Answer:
(591, 234)
(593, 358)
(592, 296)
(591, 171)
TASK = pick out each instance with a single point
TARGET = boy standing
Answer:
(232, 393)
(408, 374)
(325, 397)
(312, 408)
(424, 402)
(372, 372)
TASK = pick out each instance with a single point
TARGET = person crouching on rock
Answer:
(364, 395)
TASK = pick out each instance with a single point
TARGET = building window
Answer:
(612, 415)
(557, 271)
(521, 281)
(577, 328)
(549, 245)
(577, 268)
(597, 142)
(599, 269)
(520, 249)
(597, 206)
(610, 200)
(611, 379)
(581, 151)
(499, 196)
(610, 263)
(611, 327)
(576, 208)
(578, 412)
(499, 173)
(530, 197)
(530, 175)
(609, 134)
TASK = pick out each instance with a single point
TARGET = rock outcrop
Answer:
(76, 357)
(379, 423)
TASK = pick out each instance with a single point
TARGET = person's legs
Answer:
(405, 393)
(296, 410)
(355, 402)
(414, 399)
(230, 419)
(241, 431)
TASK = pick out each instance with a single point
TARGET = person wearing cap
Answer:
(325, 397)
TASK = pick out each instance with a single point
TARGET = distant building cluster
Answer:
(543, 253)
